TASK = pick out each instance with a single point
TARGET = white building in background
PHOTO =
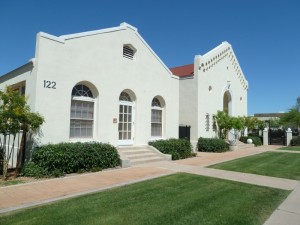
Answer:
(105, 85)
(214, 81)
(109, 86)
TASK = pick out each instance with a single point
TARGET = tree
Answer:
(292, 117)
(227, 123)
(237, 124)
(275, 123)
(15, 115)
(224, 123)
(253, 123)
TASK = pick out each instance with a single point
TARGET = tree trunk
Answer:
(5, 167)
(21, 151)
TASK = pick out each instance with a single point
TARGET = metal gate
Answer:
(185, 132)
(277, 137)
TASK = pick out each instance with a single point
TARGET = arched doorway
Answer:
(126, 118)
(227, 103)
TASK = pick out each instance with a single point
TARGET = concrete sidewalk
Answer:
(30, 194)
(35, 193)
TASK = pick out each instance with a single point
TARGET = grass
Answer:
(292, 148)
(11, 182)
(275, 164)
(175, 199)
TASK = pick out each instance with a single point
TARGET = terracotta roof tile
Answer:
(181, 71)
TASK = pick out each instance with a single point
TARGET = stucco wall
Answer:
(202, 95)
(188, 107)
(97, 60)
(221, 74)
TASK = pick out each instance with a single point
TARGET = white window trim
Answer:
(94, 136)
(85, 99)
(162, 123)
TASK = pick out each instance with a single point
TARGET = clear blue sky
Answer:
(265, 35)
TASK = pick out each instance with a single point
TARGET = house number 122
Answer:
(49, 84)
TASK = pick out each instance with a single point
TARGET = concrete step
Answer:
(135, 151)
(146, 160)
(140, 154)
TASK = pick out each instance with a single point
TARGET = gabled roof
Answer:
(209, 60)
(123, 26)
(182, 71)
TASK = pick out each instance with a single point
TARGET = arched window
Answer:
(124, 96)
(82, 112)
(156, 118)
(82, 91)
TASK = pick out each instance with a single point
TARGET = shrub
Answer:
(32, 170)
(59, 159)
(256, 135)
(178, 148)
(212, 145)
(295, 141)
(255, 140)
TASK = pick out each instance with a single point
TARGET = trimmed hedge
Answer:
(178, 148)
(64, 158)
(33, 170)
(212, 145)
(255, 140)
(295, 141)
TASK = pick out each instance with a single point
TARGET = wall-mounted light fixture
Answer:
(228, 84)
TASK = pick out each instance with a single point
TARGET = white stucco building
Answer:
(214, 81)
(105, 85)
(109, 86)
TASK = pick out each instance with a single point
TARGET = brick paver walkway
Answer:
(30, 194)
(40, 192)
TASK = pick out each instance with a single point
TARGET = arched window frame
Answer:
(125, 97)
(157, 118)
(82, 112)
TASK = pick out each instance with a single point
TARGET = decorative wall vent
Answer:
(128, 52)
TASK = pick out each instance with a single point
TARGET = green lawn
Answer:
(275, 164)
(175, 199)
(292, 148)
(10, 182)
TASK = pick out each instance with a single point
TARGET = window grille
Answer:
(81, 90)
(125, 97)
(207, 122)
(214, 121)
(156, 118)
(156, 103)
(81, 113)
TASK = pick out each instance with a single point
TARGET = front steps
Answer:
(133, 155)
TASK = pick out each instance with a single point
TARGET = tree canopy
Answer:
(15, 115)
(226, 123)
(292, 117)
